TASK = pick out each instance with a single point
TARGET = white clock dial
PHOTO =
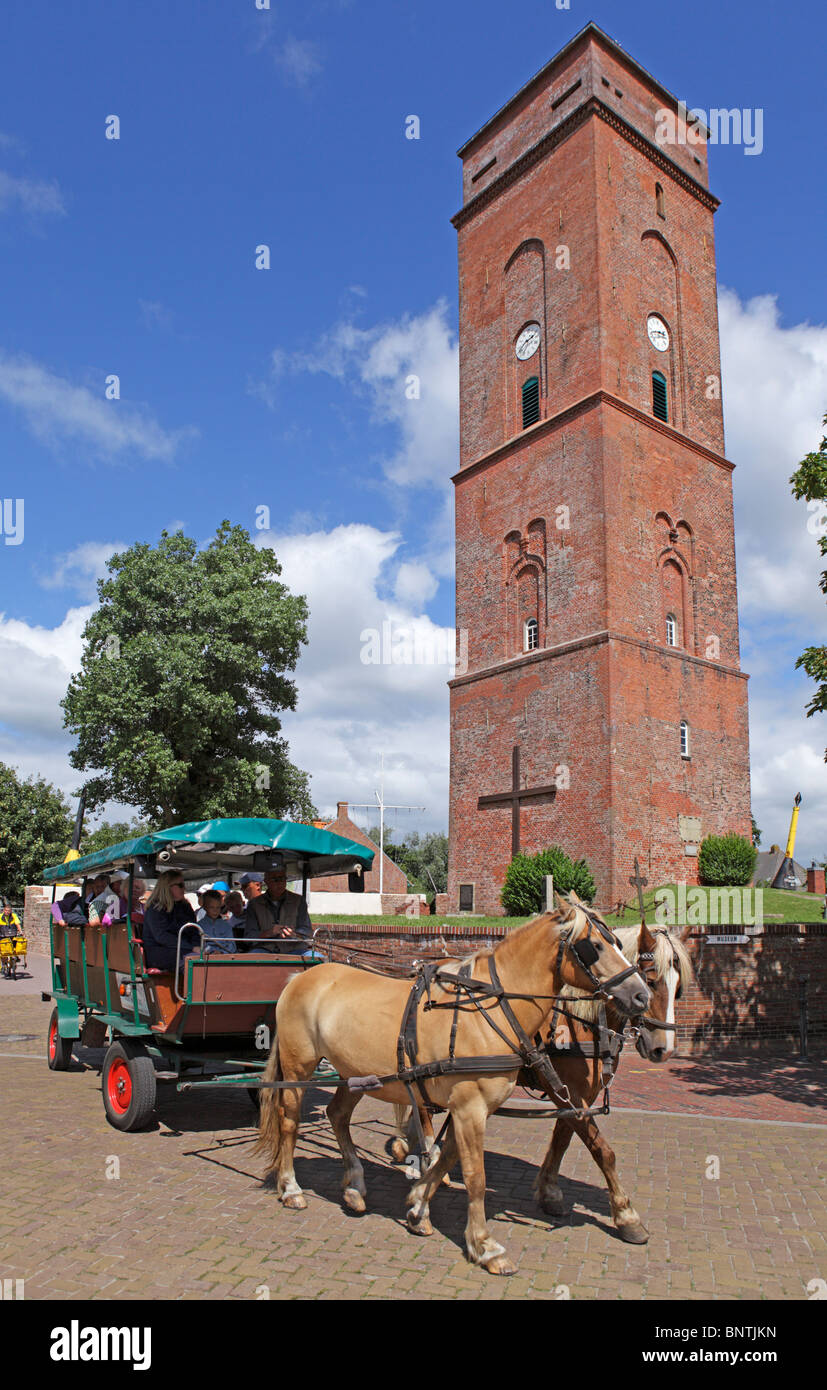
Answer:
(658, 332)
(528, 342)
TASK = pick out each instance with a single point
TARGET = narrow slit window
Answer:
(660, 405)
(671, 631)
(659, 204)
(531, 401)
(531, 635)
(684, 739)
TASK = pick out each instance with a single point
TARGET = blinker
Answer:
(586, 952)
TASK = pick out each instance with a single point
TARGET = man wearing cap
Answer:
(251, 885)
(275, 914)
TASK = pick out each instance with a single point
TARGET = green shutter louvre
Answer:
(531, 401)
(660, 407)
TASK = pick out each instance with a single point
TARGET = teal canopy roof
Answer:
(228, 845)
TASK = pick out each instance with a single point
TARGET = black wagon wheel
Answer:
(58, 1049)
(128, 1084)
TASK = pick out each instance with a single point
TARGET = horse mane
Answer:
(569, 927)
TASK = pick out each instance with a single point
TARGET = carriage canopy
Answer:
(233, 844)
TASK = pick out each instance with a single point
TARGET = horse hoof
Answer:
(555, 1206)
(419, 1227)
(399, 1151)
(295, 1202)
(354, 1200)
(634, 1234)
(500, 1265)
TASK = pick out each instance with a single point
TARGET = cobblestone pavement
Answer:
(189, 1217)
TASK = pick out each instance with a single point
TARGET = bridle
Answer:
(586, 954)
(650, 978)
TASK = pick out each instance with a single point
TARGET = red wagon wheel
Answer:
(128, 1085)
(58, 1049)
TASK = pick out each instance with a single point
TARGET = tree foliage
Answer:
(809, 481)
(422, 858)
(183, 678)
(726, 861)
(523, 892)
(35, 830)
(112, 833)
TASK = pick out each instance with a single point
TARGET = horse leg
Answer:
(339, 1111)
(423, 1190)
(547, 1187)
(629, 1225)
(469, 1129)
(289, 1117)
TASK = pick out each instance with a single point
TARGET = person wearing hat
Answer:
(9, 920)
(109, 905)
(276, 916)
(252, 885)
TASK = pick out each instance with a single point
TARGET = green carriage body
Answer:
(212, 1022)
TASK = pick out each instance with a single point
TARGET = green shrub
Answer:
(523, 892)
(726, 861)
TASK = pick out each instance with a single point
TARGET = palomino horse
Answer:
(667, 968)
(354, 1020)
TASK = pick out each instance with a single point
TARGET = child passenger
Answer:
(217, 930)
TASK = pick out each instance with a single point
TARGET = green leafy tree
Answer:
(422, 858)
(523, 892)
(756, 833)
(183, 678)
(112, 833)
(726, 861)
(35, 830)
(810, 482)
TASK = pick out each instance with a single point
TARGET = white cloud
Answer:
(775, 395)
(38, 662)
(298, 60)
(32, 195)
(350, 711)
(81, 568)
(155, 315)
(56, 410)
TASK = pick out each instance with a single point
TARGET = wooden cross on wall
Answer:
(639, 882)
(514, 798)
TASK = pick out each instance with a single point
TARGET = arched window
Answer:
(531, 635)
(659, 205)
(660, 407)
(684, 739)
(671, 630)
(531, 401)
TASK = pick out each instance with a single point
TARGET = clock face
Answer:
(528, 342)
(658, 332)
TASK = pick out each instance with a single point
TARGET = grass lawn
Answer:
(778, 906)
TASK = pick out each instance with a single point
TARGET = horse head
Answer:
(666, 967)
(593, 959)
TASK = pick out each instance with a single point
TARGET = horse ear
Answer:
(685, 933)
(646, 940)
(573, 898)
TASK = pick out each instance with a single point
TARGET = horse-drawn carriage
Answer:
(557, 998)
(211, 1019)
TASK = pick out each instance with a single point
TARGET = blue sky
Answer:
(243, 388)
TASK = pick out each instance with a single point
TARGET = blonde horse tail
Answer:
(269, 1114)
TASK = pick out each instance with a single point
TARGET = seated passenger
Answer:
(275, 915)
(72, 910)
(166, 912)
(234, 906)
(109, 905)
(216, 928)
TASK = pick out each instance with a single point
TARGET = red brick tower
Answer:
(595, 544)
